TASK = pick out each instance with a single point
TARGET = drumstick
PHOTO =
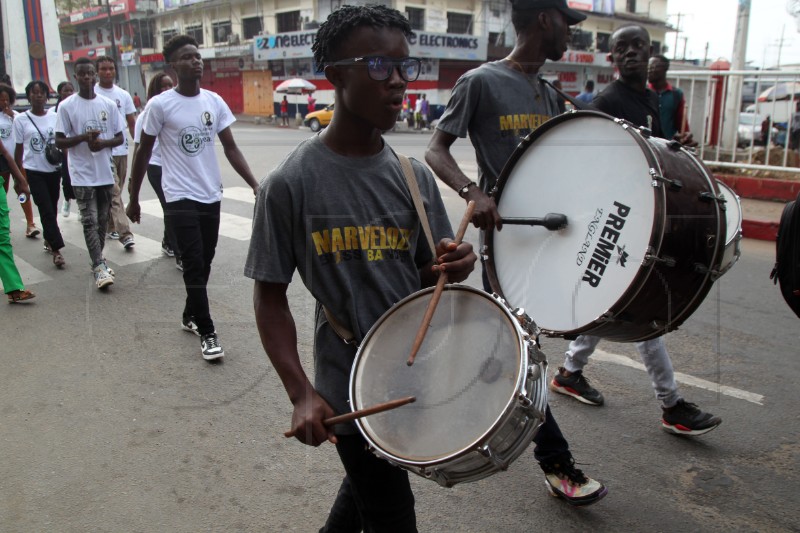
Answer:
(437, 292)
(349, 417)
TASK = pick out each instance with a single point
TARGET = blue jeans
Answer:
(654, 356)
(94, 204)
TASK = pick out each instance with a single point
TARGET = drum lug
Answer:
(675, 146)
(608, 316)
(484, 252)
(646, 132)
(486, 451)
(534, 372)
(711, 197)
(437, 476)
(527, 323)
(666, 261)
(658, 326)
(674, 185)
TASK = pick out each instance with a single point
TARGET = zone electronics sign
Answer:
(297, 44)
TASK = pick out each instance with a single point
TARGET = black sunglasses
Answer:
(380, 68)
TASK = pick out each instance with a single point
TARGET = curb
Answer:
(759, 229)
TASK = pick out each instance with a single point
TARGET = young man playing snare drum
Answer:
(348, 177)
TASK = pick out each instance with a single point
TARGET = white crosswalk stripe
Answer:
(241, 194)
(29, 273)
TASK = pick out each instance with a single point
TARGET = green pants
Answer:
(9, 274)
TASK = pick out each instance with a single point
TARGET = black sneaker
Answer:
(685, 418)
(211, 348)
(188, 324)
(577, 386)
(166, 249)
(570, 484)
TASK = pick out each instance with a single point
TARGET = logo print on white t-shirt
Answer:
(207, 119)
(93, 125)
(5, 133)
(193, 140)
(37, 143)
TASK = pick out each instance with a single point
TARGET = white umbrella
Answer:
(296, 86)
(780, 91)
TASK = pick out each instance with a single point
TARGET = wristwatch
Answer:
(463, 190)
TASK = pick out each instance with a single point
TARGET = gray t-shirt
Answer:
(498, 106)
(349, 228)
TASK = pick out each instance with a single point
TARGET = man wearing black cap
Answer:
(630, 99)
(498, 104)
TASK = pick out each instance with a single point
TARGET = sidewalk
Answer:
(762, 202)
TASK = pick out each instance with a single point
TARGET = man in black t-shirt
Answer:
(630, 99)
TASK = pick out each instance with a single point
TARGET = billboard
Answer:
(598, 6)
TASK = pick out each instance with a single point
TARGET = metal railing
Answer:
(718, 135)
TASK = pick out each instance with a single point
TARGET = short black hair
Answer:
(9, 90)
(104, 59)
(341, 23)
(590, 85)
(625, 27)
(662, 57)
(83, 61)
(179, 41)
(42, 85)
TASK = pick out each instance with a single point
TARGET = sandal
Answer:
(58, 259)
(32, 232)
(20, 296)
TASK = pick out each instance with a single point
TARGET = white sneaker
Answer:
(210, 347)
(65, 209)
(102, 278)
(128, 242)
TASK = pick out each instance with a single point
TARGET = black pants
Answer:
(66, 180)
(374, 496)
(196, 227)
(550, 442)
(45, 191)
(154, 177)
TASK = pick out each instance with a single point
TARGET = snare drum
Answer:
(479, 380)
(733, 234)
(645, 232)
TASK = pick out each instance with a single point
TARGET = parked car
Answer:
(750, 130)
(319, 119)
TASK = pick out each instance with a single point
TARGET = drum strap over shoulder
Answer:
(341, 331)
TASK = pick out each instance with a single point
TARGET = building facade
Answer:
(251, 46)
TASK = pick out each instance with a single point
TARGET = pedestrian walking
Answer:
(34, 130)
(160, 83)
(284, 112)
(88, 127)
(7, 115)
(9, 274)
(118, 227)
(64, 90)
(186, 120)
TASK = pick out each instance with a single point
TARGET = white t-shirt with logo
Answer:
(32, 142)
(155, 156)
(124, 103)
(186, 127)
(78, 115)
(7, 131)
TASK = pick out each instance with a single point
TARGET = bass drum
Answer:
(480, 383)
(644, 239)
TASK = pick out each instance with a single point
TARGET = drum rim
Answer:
(499, 421)
(656, 231)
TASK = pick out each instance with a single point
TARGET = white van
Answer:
(779, 110)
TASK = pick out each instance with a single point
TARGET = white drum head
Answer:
(464, 377)
(733, 212)
(595, 172)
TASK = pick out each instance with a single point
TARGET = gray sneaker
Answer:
(211, 348)
(102, 278)
(128, 242)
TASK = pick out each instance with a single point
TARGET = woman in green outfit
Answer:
(9, 275)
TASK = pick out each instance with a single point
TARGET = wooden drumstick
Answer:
(437, 292)
(349, 417)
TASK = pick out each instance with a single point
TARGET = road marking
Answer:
(686, 379)
(240, 194)
(231, 226)
(29, 273)
(144, 250)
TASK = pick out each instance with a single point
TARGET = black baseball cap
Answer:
(572, 16)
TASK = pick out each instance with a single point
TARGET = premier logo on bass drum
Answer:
(609, 235)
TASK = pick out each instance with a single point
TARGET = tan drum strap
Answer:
(408, 171)
(345, 334)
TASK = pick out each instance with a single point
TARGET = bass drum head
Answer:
(595, 172)
(464, 378)
(733, 213)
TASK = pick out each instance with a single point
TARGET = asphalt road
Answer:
(111, 421)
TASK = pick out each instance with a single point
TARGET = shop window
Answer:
(603, 42)
(459, 22)
(497, 38)
(195, 31)
(143, 34)
(416, 17)
(632, 6)
(166, 35)
(221, 30)
(580, 39)
(288, 21)
(252, 26)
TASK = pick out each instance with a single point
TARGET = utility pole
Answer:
(780, 45)
(705, 56)
(734, 93)
(677, 31)
(113, 38)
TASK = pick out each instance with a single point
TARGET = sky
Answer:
(714, 22)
